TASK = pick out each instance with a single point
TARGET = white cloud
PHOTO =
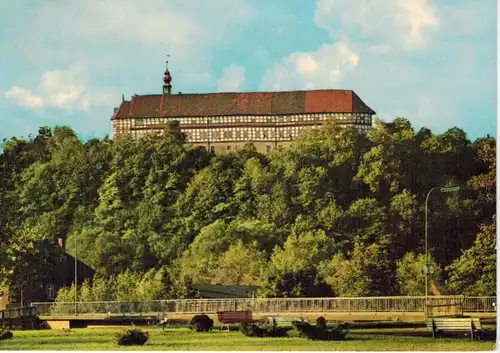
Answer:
(62, 89)
(380, 48)
(127, 41)
(24, 97)
(405, 23)
(324, 68)
(306, 64)
(232, 79)
(185, 29)
(403, 58)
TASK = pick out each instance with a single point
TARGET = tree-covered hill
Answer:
(340, 213)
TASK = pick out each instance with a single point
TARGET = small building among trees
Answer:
(60, 274)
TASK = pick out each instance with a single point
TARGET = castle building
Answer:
(224, 122)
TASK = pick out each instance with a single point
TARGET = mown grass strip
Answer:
(183, 339)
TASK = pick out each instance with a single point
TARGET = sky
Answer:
(69, 62)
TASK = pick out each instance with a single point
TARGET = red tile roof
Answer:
(252, 103)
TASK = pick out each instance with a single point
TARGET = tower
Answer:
(167, 79)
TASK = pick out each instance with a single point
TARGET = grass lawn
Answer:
(184, 339)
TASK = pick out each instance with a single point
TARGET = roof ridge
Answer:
(248, 92)
(244, 103)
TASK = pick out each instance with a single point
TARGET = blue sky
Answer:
(68, 62)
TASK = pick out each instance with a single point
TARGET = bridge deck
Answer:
(103, 317)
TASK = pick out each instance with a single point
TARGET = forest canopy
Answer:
(338, 214)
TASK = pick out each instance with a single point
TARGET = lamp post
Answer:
(76, 262)
(426, 264)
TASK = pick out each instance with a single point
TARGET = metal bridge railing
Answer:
(358, 304)
(17, 312)
(480, 304)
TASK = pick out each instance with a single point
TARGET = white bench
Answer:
(439, 325)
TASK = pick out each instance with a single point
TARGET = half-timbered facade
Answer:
(224, 122)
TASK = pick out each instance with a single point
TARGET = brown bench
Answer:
(234, 317)
(455, 325)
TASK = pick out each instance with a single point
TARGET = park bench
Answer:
(234, 317)
(439, 325)
(284, 321)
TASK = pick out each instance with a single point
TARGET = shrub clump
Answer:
(321, 333)
(264, 330)
(201, 323)
(321, 322)
(131, 337)
(5, 334)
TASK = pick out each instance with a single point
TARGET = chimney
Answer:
(62, 243)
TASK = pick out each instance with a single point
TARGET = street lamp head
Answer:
(450, 189)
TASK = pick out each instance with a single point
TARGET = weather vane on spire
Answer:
(168, 56)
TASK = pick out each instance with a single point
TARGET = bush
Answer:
(265, 330)
(321, 322)
(321, 334)
(201, 323)
(131, 337)
(5, 334)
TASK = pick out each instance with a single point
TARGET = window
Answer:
(268, 148)
(228, 147)
(280, 147)
(51, 293)
(139, 121)
(212, 149)
(227, 134)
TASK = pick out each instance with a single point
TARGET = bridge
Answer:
(403, 308)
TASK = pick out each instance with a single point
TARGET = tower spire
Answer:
(167, 79)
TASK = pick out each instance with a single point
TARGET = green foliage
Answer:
(5, 334)
(410, 275)
(131, 337)
(240, 265)
(221, 245)
(263, 330)
(292, 270)
(386, 167)
(474, 273)
(321, 333)
(127, 286)
(366, 272)
(293, 221)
